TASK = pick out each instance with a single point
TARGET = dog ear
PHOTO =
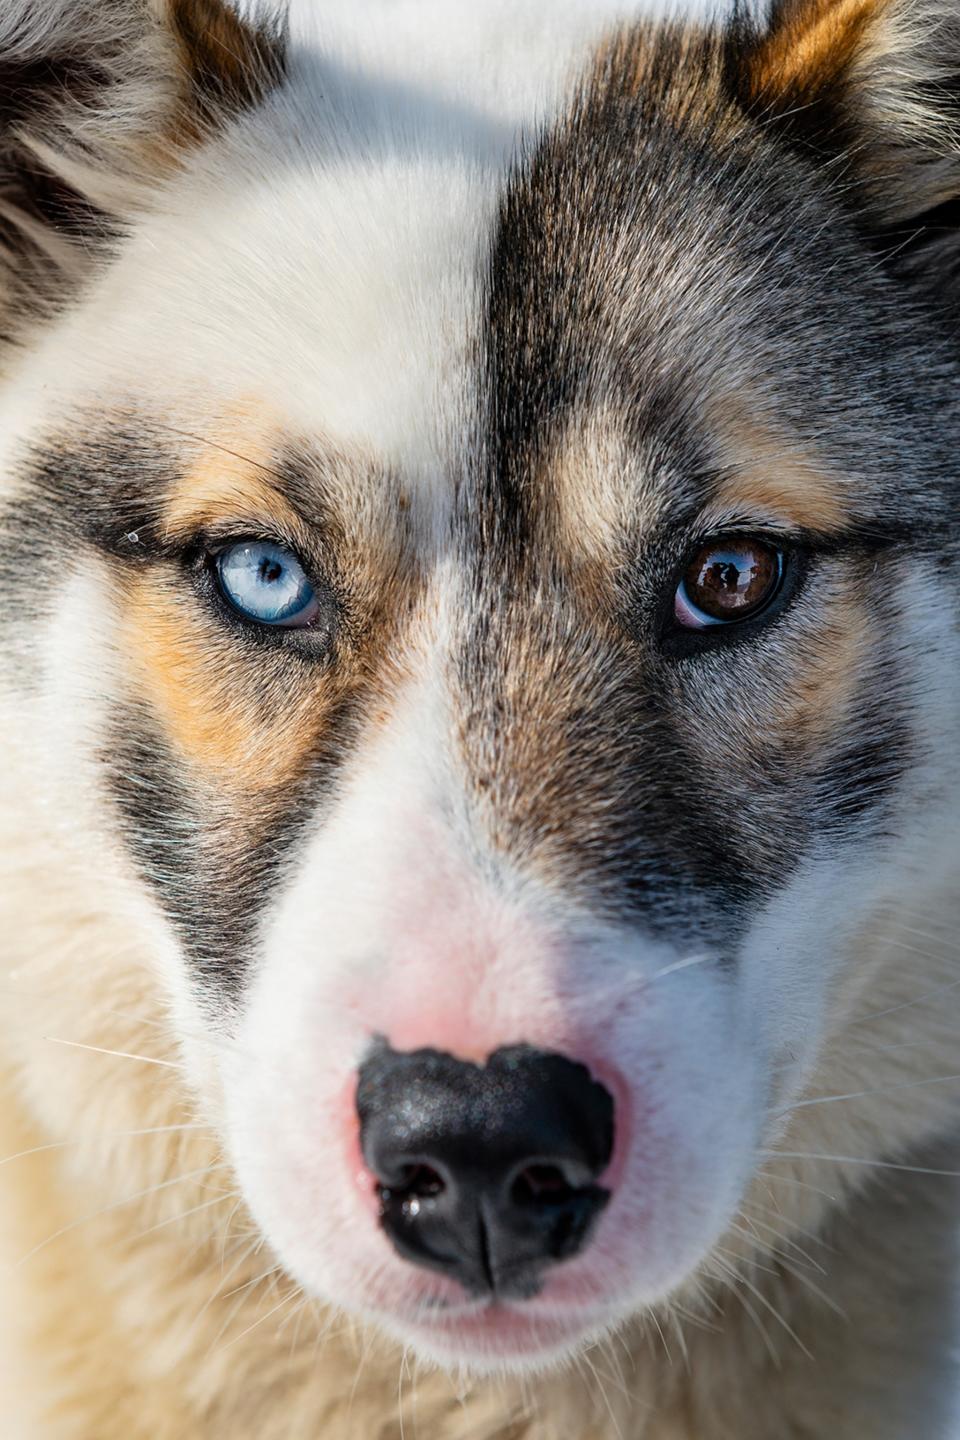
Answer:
(871, 89)
(99, 101)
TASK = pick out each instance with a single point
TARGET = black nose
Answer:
(486, 1173)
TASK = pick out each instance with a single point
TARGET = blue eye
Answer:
(266, 583)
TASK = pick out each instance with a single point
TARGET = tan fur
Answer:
(250, 734)
(135, 1323)
(601, 503)
(814, 45)
(230, 482)
(198, 690)
(138, 1300)
(172, 72)
(228, 64)
(767, 473)
(878, 65)
(597, 502)
(823, 685)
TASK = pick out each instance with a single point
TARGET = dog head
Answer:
(485, 540)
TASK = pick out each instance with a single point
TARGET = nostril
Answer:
(414, 1183)
(541, 1185)
(423, 1180)
(488, 1173)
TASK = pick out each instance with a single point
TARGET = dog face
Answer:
(492, 601)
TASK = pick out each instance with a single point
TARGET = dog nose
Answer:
(486, 1173)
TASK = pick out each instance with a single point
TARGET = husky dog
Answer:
(480, 697)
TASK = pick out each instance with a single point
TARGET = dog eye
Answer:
(266, 583)
(726, 581)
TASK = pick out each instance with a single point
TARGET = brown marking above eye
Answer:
(230, 481)
(766, 470)
(727, 580)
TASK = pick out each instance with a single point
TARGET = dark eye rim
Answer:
(679, 641)
(316, 640)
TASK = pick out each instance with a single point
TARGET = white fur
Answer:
(373, 193)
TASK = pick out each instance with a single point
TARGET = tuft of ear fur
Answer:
(100, 99)
(230, 63)
(870, 88)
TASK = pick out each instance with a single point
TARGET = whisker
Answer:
(257, 1279)
(779, 1239)
(663, 1339)
(403, 1366)
(299, 1313)
(296, 1314)
(772, 1310)
(224, 450)
(181, 1215)
(906, 1004)
(106, 1135)
(680, 965)
(674, 1314)
(734, 1260)
(116, 1205)
(246, 1250)
(864, 1094)
(119, 1054)
(239, 1295)
(361, 1365)
(775, 1209)
(852, 1160)
(294, 1294)
(792, 1179)
(618, 1379)
(585, 1357)
(764, 1333)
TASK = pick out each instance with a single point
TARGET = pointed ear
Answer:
(870, 87)
(99, 100)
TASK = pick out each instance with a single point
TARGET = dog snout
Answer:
(486, 1173)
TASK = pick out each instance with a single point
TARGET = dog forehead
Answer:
(446, 280)
(327, 253)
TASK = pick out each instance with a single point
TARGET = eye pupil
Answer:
(270, 571)
(726, 581)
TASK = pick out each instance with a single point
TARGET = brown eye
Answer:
(726, 581)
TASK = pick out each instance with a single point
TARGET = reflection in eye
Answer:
(726, 581)
(266, 582)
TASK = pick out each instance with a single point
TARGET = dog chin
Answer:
(498, 1339)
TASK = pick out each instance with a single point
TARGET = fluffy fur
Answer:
(493, 317)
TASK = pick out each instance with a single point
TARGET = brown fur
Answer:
(200, 695)
(141, 1302)
(767, 473)
(813, 47)
(230, 64)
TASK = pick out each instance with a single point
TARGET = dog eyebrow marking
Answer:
(768, 471)
(234, 477)
(599, 493)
